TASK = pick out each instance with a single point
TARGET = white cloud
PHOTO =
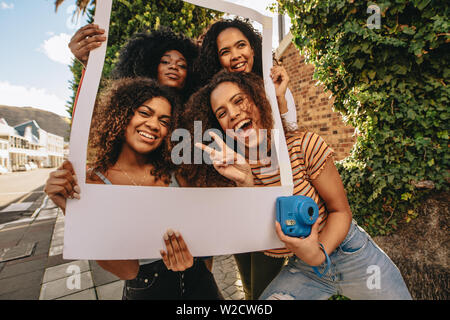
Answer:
(56, 49)
(5, 6)
(22, 96)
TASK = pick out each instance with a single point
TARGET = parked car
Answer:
(3, 170)
(32, 165)
(24, 167)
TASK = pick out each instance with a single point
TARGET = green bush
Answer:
(391, 84)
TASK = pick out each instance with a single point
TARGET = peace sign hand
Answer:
(228, 163)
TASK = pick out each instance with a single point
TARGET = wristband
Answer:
(320, 275)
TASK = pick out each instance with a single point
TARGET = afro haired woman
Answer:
(160, 54)
(234, 45)
(131, 142)
(341, 251)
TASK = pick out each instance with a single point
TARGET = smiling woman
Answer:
(234, 50)
(235, 46)
(172, 69)
(159, 54)
(129, 138)
(130, 141)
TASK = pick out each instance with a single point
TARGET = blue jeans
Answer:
(359, 270)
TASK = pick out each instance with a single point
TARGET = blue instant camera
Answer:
(296, 215)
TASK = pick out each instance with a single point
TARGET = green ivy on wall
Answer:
(391, 84)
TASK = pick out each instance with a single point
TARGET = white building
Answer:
(28, 142)
(4, 153)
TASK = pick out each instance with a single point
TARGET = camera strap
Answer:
(316, 270)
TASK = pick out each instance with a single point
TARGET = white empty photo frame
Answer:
(128, 222)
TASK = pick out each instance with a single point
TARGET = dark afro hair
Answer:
(141, 55)
(208, 64)
(115, 109)
(198, 108)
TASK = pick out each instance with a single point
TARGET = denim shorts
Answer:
(359, 270)
(155, 282)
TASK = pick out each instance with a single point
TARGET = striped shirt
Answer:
(308, 153)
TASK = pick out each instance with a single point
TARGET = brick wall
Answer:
(314, 106)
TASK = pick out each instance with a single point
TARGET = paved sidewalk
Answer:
(76, 280)
(43, 274)
(94, 283)
(21, 278)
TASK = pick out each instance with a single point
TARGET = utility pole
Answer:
(280, 27)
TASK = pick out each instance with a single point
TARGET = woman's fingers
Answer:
(165, 259)
(62, 174)
(173, 251)
(187, 256)
(178, 257)
(224, 156)
(205, 148)
(316, 225)
(91, 40)
(215, 155)
(67, 165)
(88, 30)
(280, 232)
(62, 184)
(58, 195)
(65, 179)
(86, 39)
(279, 77)
(82, 53)
(57, 190)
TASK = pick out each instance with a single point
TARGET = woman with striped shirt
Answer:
(337, 247)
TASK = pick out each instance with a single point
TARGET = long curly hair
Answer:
(115, 108)
(208, 64)
(141, 55)
(198, 108)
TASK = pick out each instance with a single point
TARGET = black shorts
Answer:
(155, 282)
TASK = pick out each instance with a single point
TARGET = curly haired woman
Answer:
(234, 45)
(160, 54)
(131, 142)
(340, 249)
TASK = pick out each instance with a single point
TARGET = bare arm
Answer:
(331, 190)
(280, 79)
(124, 269)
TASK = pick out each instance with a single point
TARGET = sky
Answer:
(34, 57)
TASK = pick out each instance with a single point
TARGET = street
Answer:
(17, 189)
(15, 185)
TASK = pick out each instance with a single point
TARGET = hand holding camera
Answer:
(297, 226)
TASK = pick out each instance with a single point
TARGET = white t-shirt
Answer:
(290, 117)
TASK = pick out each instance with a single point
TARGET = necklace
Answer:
(131, 179)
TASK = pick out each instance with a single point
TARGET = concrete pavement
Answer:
(45, 275)
(15, 186)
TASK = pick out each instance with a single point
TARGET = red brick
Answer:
(310, 96)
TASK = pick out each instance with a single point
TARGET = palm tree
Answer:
(81, 5)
